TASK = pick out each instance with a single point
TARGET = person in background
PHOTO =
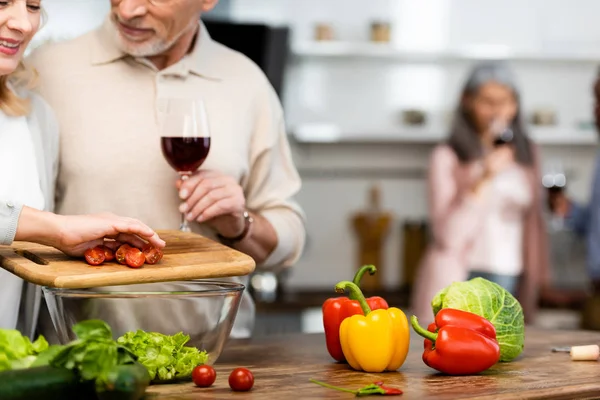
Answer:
(584, 220)
(29, 161)
(105, 87)
(485, 199)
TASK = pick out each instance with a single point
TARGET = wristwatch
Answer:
(231, 241)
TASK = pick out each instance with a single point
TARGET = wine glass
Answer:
(502, 132)
(185, 137)
(554, 179)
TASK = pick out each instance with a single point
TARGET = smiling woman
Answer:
(21, 19)
(29, 160)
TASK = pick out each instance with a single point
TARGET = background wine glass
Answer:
(554, 179)
(185, 137)
(502, 132)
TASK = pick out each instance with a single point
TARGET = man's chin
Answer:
(140, 49)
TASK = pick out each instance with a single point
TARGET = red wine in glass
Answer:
(185, 154)
(185, 137)
(504, 138)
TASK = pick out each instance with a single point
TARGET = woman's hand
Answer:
(74, 234)
(498, 160)
(80, 232)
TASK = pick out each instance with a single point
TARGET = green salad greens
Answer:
(17, 351)
(94, 354)
(492, 302)
(166, 357)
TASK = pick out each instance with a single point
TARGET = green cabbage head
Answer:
(492, 302)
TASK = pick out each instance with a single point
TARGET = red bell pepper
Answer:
(459, 342)
(336, 309)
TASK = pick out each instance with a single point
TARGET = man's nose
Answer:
(130, 9)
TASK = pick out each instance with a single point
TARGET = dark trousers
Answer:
(508, 282)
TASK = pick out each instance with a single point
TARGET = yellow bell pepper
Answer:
(376, 341)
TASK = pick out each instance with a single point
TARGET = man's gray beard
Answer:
(149, 49)
(152, 48)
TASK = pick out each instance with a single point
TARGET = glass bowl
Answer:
(205, 310)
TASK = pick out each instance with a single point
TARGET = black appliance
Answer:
(267, 46)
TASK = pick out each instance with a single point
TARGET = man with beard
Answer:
(106, 87)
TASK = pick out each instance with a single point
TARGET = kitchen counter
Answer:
(282, 366)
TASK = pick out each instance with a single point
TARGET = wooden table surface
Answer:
(282, 366)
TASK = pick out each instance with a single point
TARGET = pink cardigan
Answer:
(454, 218)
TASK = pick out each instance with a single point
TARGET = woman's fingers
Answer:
(128, 238)
(132, 227)
(112, 244)
(156, 241)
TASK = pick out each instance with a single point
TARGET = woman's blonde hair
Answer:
(10, 102)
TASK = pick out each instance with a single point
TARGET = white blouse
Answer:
(498, 247)
(22, 183)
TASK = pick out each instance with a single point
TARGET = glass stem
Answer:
(184, 227)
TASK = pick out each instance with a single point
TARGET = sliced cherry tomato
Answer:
(95, 255)
(134, 257)
(120, 255)
(204, 375)
(152, 254)
(109, 254)
(241, 380)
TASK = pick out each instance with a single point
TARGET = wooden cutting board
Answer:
(186, 256)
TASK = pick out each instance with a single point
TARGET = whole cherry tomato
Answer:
(204, 375)
(241, 380)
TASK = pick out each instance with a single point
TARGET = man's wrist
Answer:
(229, 241)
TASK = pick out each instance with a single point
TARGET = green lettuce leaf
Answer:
(4, 362)
(492, 302)
(92, 329)
(41, 344)
(165, 357)
(17, 351)
(46, 356)
(94, 354)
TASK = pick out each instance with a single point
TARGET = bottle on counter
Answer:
(372, 228)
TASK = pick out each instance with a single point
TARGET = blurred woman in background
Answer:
(485, 198)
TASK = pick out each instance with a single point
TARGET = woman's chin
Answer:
(8, 65)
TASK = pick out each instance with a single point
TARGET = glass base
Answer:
(184, 227)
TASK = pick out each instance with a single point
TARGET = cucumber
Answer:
(124, 382)
(46, 383)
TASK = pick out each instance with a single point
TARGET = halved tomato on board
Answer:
(109, 254)
(95, 255)
(120, 255)
(134, 257)
(152, 254)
